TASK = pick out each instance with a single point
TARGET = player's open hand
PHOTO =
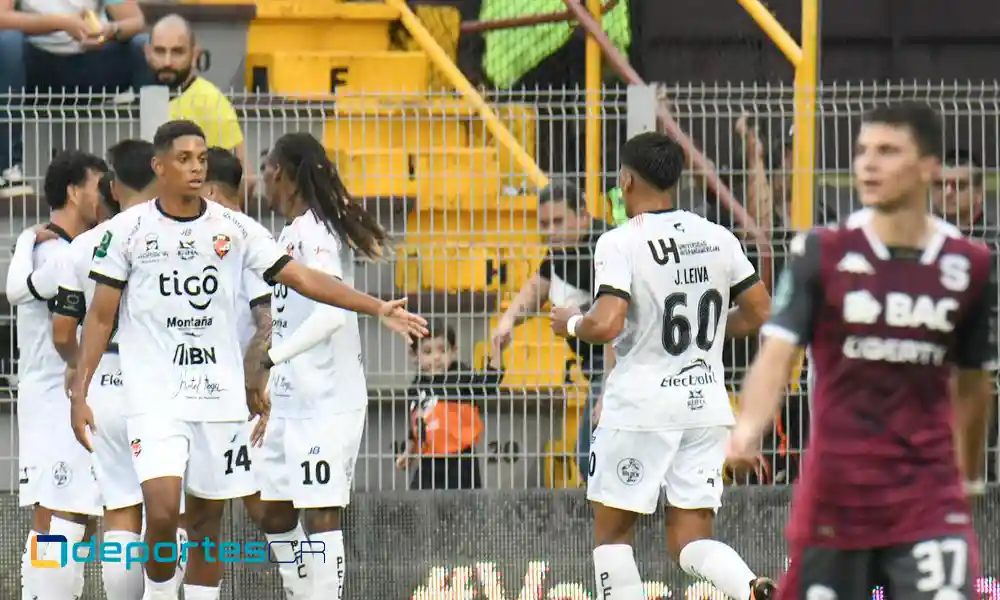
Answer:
(560, 316)
(82, 419)
(394, 316)
(44, 234)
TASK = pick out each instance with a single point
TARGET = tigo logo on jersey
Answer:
(139, 553)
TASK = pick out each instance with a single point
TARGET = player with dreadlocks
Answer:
(317, 386)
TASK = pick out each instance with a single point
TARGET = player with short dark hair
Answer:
(319, 403)
(664, 284)
(124, 186)
(183, 260)
(224, 177)
(894, 307)
(56, 475)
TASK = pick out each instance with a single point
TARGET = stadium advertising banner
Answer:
(510, 545)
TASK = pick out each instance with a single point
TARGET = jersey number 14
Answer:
(677, 329)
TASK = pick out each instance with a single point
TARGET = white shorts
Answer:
(629, 468)
(113, 466)
(310, 462)
(31, 436)
(213, 458)
(66, 480)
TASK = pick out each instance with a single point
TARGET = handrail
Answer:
(702, 164)
(527, 21)
(493, 123)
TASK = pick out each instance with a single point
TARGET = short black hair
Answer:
(437, 328)
(656, 158)
(562, 190)
(108, 195)
(960, 157)
(923, 122)
(224, 167)
(132, 162)
(170, 131)
(71, 167)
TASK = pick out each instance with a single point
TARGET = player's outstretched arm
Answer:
(97, 329)
(613, 282)
(326, 289)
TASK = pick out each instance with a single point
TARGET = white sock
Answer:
(61, 583)
(294, 573)
(200, 592)
(123, 581)
(720, 565)
(617, 575)
(159, 590)
(182, 538)
(328, 576)
(28, 587)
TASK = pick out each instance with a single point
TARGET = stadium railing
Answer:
(464, 217)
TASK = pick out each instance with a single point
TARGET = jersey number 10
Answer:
(677, 327)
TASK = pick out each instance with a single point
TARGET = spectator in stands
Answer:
(565, 278)
(172, 55)
(959, 198)
(445, 419)
(56, 45)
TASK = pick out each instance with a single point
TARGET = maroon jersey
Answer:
(885, 328)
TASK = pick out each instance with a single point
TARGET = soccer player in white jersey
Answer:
(203, 576)
(175, 265)
(318, 390)
(664, 282)
(130, 182)
(56, 475)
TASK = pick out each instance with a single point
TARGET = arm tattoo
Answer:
(253, 367)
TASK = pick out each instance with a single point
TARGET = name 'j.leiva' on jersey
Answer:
(679, 273)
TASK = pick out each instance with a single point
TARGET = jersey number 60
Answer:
(677, 327)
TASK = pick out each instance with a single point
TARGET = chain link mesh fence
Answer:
(469, 235)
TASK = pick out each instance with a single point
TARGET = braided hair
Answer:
(303, 158)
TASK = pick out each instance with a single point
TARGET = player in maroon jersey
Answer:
(894, 306)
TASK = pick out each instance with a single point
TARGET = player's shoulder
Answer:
(85, 242)
(233, 221)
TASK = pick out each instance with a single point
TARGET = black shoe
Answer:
(762, 588)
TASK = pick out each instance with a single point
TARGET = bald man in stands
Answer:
(172, 54)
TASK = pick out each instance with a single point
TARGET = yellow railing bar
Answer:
(804, 142)
(593, 124)
(493, 123)
(770, 25)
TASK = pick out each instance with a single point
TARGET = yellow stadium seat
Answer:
(536, 359)
(452, 266)
(520, 119)
(445, 177)
(325, 73)
(321, 27)
(353, 126)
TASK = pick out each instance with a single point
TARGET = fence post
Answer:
(640, 109)
(154, 109)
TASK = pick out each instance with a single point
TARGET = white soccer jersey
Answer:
(40, 369)
(178, 323)
(330, 376)
(679, 273)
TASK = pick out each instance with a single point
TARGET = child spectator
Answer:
(445, 421)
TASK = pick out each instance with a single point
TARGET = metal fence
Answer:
(468, 232)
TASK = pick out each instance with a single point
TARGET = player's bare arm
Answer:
(321, 287)
(97, 329)
(973, 401)
(254, 369)
(602, 323)
(787, 332)
(753, 307)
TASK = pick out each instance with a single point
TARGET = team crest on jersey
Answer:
(290, 249)
(136, 447)
(222, 244)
